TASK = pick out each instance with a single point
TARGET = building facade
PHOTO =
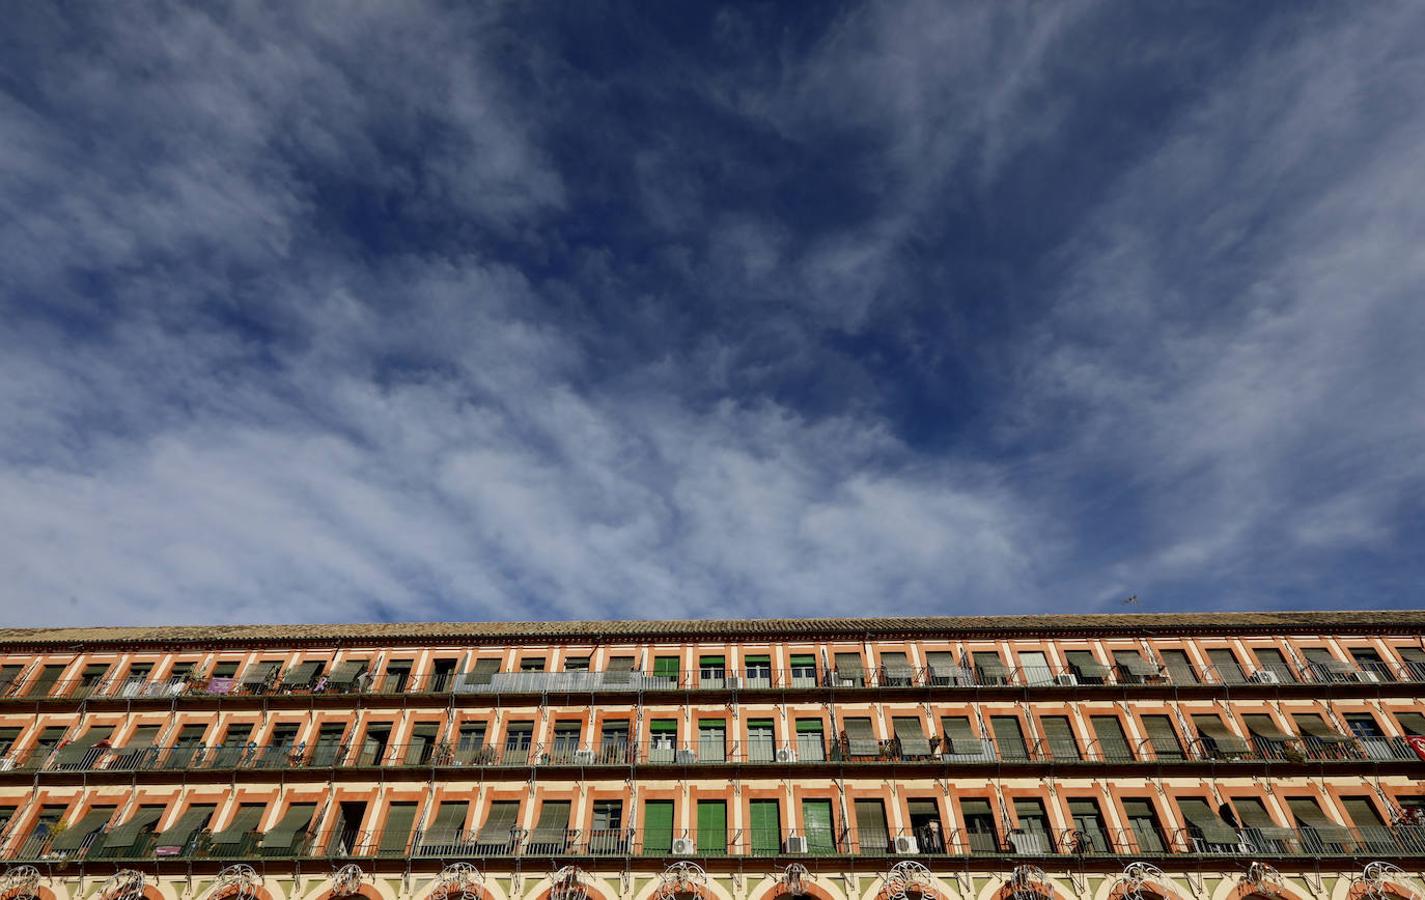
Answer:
(1132, 757)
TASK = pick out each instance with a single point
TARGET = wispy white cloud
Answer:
(233, 392)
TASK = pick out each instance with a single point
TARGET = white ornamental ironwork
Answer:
(1262, 879)
(1384, 881)
(459, 881)
(240, 881)
(125, 884)
(1027, 883)
(1135, 880)
(795, 879)
(20, 881)
(569, 883)
(682, 878)
(906, 878)
(346, 881)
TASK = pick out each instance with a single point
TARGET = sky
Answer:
(333, 311)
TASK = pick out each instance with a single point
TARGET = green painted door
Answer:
(712, 827)
(657, 827)
(820, 833)
(766, 828)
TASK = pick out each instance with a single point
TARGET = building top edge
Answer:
(1373, 621)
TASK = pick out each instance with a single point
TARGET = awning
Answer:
(449, 819)
(1209, 824)
(347, 672)
(243, 824)
(1337, 666)
(124, 835)
(553, 819)
(858, 729)
(1092, 669)
(73, 837)
(1319, 730)
(259, 673)
(499, 823)
(194, 818)
(1137, 665)
(284, 834)
(993, 668)
(301, 675)
(1225, 740)
(849, 663)
(75, 752)
(1267, 730)
(909, 732)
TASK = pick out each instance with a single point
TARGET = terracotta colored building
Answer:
(1130, 757)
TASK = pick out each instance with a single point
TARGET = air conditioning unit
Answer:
(583, 757)
(684, 847)
(796, 845)
(786, 755)
(1264, 676)
(907, 845)
(1067, 679)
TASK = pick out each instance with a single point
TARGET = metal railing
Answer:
(723, 679)
(926, 840)
(808, 749)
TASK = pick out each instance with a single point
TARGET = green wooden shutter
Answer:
(283, 835)
(1112, 741)
(1009, 736)
(657, 827)
(127, 834)
(193, 818)
(820, 830)
(766, 831)
(1163, 737)
(872, 833)
(73, 837)
(244, 822)
(712, 827)
(397, 830)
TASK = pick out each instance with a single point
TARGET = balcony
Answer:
(752, 680)
(926, 841)
(808, 750)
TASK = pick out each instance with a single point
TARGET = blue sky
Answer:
(363, 311)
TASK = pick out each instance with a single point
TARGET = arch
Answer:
(20, 893)
(366, 891)
(776, 890)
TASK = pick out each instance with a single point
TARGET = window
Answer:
(566, 741)
(657, 827)
(1112, 741)
(422, 747)
(761, 741)
(519, 737)
(1143, 823)
(759, 671)
(712, 827)
(910, 737)
(811, 740)
(1009, 737)
(803, 670)
(980, 825)
(765, 827)
(712, 740)
(819, 827)
(860, 737)
(1033, 831)
(896, 670)
(663, 740)
(1270, 660)
(665, 672)
(576, 663)
(497, 835)
(532, 664)
(712, 671)
(1163, 738)
(849, 670)
(1217, 739)
(989, 668)
(1411, 723)
(1210, 833)
(1179, 667)
(225, 669)
(1133, 668)
(614, 745)
(551, 831)
(958, 737)
(1059, 737)
(41, 684)
(1035, 666)
(1224, 662)
(1086, 667)
(1090, 835)
(872, 835)
(607, 834)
